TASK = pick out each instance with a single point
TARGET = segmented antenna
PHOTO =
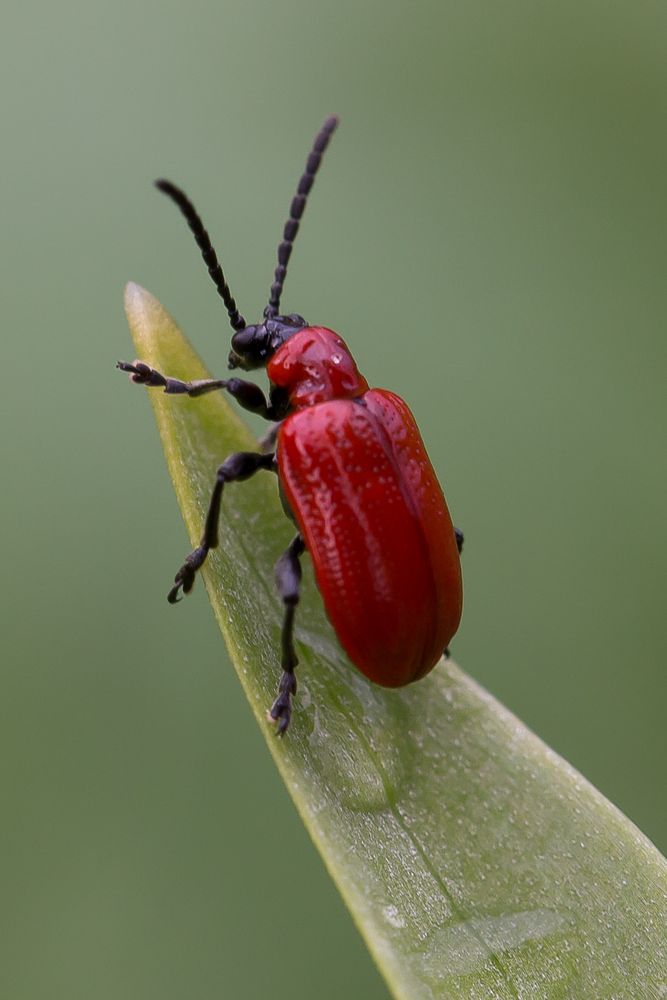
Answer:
(296, 211)
(208, 253)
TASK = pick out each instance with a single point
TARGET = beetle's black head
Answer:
(254, 345)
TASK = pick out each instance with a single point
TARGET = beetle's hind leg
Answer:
(459, 546)
(288, 581)
(241, 465)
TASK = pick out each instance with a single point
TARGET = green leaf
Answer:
(476, 862)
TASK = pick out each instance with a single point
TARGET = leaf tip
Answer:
(147, 317)
(138, 302)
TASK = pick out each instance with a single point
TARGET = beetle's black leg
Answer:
(143, 374)
(459, 546)
(268, 440)
(288, 580)
(238, 466)
(247, 394)
(250, 397)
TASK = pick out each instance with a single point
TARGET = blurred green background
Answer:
(488, 232)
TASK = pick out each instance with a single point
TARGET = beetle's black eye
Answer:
(250, 348)
(243, 340)
(295, 320)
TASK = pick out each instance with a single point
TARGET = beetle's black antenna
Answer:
(208, 253)
(296, 211)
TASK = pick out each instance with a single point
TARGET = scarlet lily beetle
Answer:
(353, 473)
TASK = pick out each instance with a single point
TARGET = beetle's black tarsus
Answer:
(208, 253)
(296, 211)
(288, 581)
(239, 466)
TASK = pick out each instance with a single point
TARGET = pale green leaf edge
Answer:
(475, 861)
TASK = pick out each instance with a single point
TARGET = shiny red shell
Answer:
(357, 479)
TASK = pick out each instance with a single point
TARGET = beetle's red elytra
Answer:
(354, 476)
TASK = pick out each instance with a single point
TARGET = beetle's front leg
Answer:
(288, 581)
(247, 394)
(143, 374)
(237, 467)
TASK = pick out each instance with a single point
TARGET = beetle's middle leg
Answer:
(288, 581)
(268, 440)
(241, 465)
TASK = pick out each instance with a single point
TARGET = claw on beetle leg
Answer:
(281, 710)
(185, 578)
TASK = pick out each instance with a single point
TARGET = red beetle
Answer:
(354, 477)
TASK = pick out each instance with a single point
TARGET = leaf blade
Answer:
(475, 862)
